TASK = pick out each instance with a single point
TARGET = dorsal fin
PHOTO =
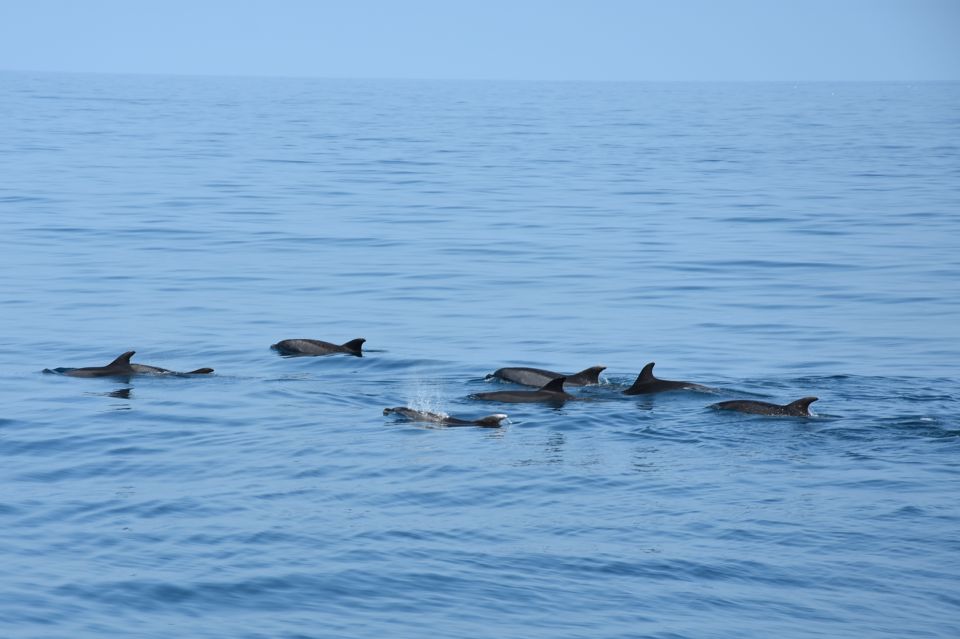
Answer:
(646, 375)
(354, 345)
(802, 405)
(123, 360)
(592, 374)
(554, 385)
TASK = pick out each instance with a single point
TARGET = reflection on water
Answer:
(553, 448)
(120, 393)
(645, 459)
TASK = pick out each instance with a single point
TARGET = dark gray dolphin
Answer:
(552, 391)
(490, 421)
(146, 369)
(119, 367)
(799, 408)
(538, 376)
(318, 347)
(647, 383)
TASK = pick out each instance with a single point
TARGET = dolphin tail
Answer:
(201, 371)
(354, 346)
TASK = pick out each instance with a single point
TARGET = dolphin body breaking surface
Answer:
(119, 367)
(490, 421)
(799, 408)
(318, 347)
(146, 369)
(552, 391)
(646, 383)
(123, 367)
(539, 377)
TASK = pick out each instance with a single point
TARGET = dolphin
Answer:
(119, 367)
(552, 391)
(799, 408)
(318, 347)
(490, 421)
(647, 383)
(538, 377)
(146, 369)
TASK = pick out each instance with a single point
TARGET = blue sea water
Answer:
(769, 240)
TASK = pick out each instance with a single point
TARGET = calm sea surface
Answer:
(769, 240)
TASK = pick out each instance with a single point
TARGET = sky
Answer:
(687, 40)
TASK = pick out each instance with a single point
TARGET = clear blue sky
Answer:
(500, 39)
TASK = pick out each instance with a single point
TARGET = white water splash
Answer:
(427, 396)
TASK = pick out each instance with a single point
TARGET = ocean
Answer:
(768, 240)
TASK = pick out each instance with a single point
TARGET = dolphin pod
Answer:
(550, 385)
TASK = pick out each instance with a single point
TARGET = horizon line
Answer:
(295, 76)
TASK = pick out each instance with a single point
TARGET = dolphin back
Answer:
(119, 366)
(537, 377)
(799, 408)
(304, 346)
(490, 421)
